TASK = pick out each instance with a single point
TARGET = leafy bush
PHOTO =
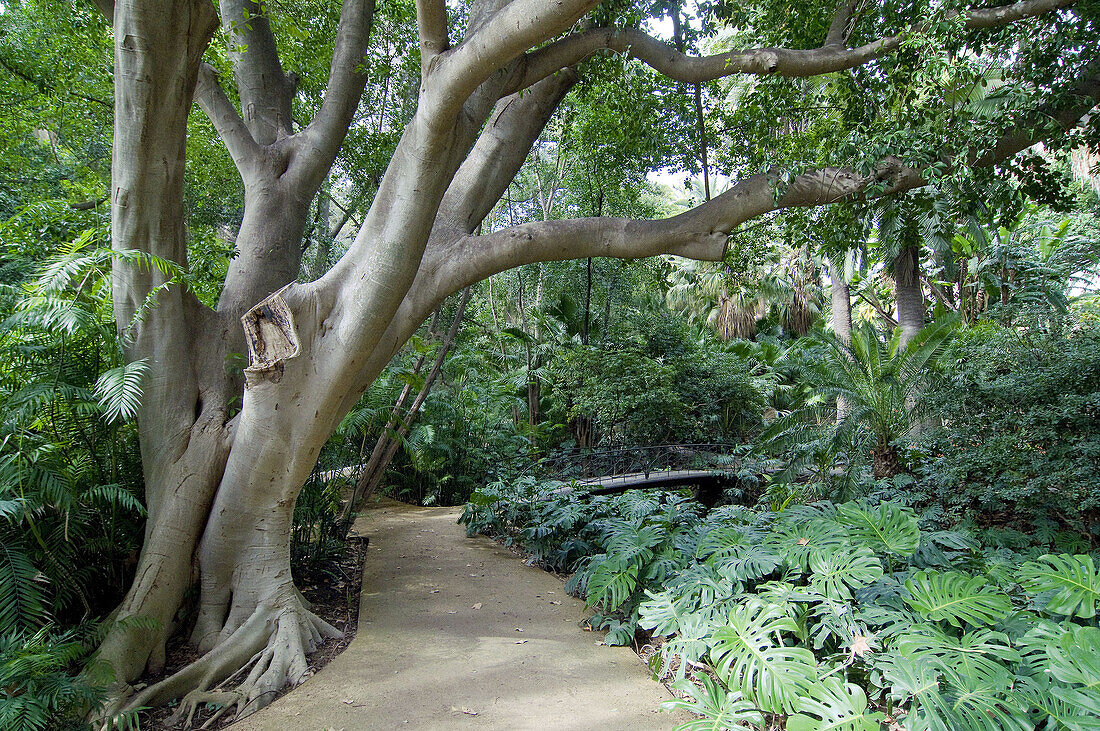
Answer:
(828, 616)
(1021, 435)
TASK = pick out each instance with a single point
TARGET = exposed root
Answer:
(271, 646)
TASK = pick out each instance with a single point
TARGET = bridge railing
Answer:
(580, 463)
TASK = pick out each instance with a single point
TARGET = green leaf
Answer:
(835, 571)
(748, 654)
(720, 709)
(1074, 580)
(956, 597)
(21, 601)
(118, 391)
(834, 705)
(797, 541)
(1075, 659)
(612, 583)
(887, 528)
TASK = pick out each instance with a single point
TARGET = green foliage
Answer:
(880, 383)
(956, 597)
(1074, 583)
(40, 689)
(1021, 434)
(834, 616)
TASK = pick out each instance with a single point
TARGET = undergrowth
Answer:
(850, 616)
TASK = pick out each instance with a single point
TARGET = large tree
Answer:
(221, 483)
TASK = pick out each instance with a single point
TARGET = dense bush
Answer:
(1021, 435)
(658, 382)
(823, 616)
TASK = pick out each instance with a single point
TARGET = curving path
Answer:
(458, 633)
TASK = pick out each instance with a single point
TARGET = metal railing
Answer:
(579, 463)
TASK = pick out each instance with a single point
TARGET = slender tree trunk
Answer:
(841, 316)
(909, 293)
(389, 441)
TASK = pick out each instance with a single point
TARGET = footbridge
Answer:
(612, 470)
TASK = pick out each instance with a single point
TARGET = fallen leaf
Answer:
(803, 541)
(861, 645)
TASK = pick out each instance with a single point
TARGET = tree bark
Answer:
(841, 318)
(909, 294)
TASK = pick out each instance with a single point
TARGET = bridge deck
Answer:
(664, 478)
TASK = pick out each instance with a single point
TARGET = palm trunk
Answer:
(909, 294)
(842, 326)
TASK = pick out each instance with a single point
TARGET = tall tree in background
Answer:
(221, 484)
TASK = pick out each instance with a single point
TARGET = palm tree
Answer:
(879, 381)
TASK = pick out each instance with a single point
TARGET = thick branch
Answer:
(503, 37)
(431, 21)
(347, 78)
(701, 233)
(841, 26)
(228, 123)
(265, 90)
(758, 61)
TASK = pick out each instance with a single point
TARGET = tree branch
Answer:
(789, 62)
(841, 27)
(702, 232)
(503, 37)
(227, 122)
(431, 22)
(346, 81)
(264, 89)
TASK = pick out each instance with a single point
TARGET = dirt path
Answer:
(458, 633)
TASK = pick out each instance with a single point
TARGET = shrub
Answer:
(1021, 434)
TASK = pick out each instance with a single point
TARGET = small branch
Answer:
(886, 316)
(431, 21)
(88, 204)
(938, 293)
(228, 123)
(346, 81)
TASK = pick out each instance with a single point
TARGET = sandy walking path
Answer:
(458, 633)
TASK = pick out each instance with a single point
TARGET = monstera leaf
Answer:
(612, 583)
(1074, 580)
(720, 709)
(722, 541)
(1075, 660)
(834, 705)
(956, 597)
(886, 528)
(746, 563)
(1077, 714)
(748, 655)
(798, 540)
(835, 571)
